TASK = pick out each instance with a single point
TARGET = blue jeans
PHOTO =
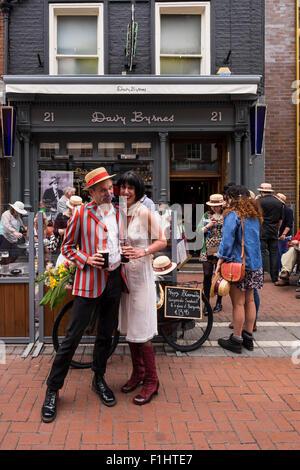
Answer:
(256, 301)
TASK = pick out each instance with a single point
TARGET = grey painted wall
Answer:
(235, 25)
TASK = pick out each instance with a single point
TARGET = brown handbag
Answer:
(235, 272)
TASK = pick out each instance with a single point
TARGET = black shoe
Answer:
(100, 387)
(247, 340)
(231, 344)
(49, 406)
(297, 296)
(298, 289)
(217, 308)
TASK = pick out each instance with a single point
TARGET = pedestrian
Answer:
(242, 222)
(273, 215)
(138, 313)
(62, 222)
(286, 228)
(92, 227)
(148, 202)
(211, 226)
(289, 260)
(12, 227)
(68, 192)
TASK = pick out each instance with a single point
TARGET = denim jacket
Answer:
(231, 245)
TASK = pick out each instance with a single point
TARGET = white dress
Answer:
(138, 314)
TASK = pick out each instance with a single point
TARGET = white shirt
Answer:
(10, 224)
(113, 240)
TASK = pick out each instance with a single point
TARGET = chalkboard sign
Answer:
(183, 302)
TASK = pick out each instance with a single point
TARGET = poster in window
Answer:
(52, 186)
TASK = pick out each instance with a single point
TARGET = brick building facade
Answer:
(280, 73)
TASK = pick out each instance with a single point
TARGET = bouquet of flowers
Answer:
(58, 280)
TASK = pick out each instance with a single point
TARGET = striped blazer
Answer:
(85, 232)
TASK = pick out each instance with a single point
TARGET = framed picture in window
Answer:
(52, 189)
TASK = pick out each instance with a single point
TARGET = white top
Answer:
(10, 224)
(113, 240)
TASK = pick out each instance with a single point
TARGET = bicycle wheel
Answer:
(187, 335)
(83, 355)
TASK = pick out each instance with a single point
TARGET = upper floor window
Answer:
(183, 38)
(76, 39)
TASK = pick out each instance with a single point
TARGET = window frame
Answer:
(75, 9)
(180, 8)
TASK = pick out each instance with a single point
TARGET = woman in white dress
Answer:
(138, 314)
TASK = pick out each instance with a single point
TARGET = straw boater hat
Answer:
(163, 265)
(281, 197)
(96, 176)
(219, 286)
(74, 201)
(266, 188)
(19, 207)
(54, 179)
(215, 200)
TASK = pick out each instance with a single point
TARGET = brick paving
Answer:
(218, 402)
(203, 403)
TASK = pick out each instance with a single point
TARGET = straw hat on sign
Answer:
(163, 265)
(219, 286)
(281, 197)
(215, 200)
(74, 201)
(96, 176)
(266, 188)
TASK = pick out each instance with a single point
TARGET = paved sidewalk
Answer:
(203, 403)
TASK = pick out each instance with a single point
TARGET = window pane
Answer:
(76, 35)
(193, 156)
(180, 34)
(143, 149)
(110, 149)
(80, 150)
(177, 66)
(77, 66)
(48, 150)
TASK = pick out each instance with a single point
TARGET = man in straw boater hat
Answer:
(92, 227)
(272, 214)
(286, 228)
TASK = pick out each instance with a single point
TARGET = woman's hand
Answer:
(218, 267)
(132, 253)
(18, 235)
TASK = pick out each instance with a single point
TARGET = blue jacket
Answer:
(231, 245)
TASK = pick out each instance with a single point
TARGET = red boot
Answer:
(151, 382)
(138, 372)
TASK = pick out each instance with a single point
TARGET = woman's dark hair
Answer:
(133, 179)
(237, 191)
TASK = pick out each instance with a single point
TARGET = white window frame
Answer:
(186, 8)
(75, 9)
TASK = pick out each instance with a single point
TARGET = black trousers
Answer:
(108, 308)
(269, 253)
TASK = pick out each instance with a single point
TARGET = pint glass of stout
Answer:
(105, 254)
(124, 258)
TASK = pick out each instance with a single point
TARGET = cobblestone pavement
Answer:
(208, 399)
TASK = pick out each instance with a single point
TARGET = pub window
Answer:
(186, 156)
(142, 149)
(110, 149)
(80, 150)
(49, 150)
(76, 39)
(183, 38)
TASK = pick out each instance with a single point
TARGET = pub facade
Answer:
(134, 85)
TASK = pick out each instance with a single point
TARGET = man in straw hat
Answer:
(286, 228)
(273, 214)
(92, 227)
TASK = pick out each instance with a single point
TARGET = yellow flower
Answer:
(53, 282)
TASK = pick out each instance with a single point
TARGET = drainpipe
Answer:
(5, 7)
(297, 117)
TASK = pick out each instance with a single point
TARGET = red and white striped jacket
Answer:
(85, 232)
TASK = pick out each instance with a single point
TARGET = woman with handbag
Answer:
(240, 262)
(211, 226)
